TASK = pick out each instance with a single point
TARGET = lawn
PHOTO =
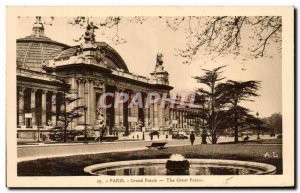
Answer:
(73, 165)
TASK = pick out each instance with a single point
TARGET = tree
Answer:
(212, 36)
(214, 96)
(67, 115)
(237, 92)
(223, 35)
(274, 122)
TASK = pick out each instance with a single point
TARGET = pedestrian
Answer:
(192, 138)
(101, 138)
(204, 136)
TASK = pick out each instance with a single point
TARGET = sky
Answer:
(145, 40)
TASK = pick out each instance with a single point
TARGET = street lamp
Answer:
(85, 109)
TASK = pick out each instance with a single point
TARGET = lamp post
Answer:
(85, 109)
(257, 114)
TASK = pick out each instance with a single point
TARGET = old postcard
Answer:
(150, 97)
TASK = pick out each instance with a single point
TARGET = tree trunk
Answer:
(214, 139)
(236, 131)
(236, 134)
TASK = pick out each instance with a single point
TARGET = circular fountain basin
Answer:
(197, 167)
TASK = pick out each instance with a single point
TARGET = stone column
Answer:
(117, 109)
(151, 111)
(81, 100)
(175, 116)
(188, 120)
(159, 114)
(44, 111)
(121, 112)
(21, 113)
(146, 112)
(104, 109)
(74, 93)
(33, 107)
(171, 116)
(136, 112)
(81, 92)
(168, 112)
(180, 118)
(191, 119)
(86, 100)
(155, 109)
(132, 126)
(53, 106)
(184, 119)
(91, 102)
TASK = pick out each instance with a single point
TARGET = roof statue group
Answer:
(89, 35)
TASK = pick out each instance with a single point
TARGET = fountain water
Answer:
(179, 165)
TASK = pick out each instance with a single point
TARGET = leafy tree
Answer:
(274, 122)
(237, 92)
(67, 115)
(255, 124)
(213, 96)
(220, 103)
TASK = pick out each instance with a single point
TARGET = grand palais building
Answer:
(45, 66)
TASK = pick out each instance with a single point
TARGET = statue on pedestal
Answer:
(89, 35)
(159, 59)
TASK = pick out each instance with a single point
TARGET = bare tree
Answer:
(223, 35)
(107, 23)
(210, 36)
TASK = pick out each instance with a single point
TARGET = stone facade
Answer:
(89, 70)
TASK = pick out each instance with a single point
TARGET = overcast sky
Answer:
(144, 41)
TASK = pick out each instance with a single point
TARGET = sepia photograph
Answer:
(150, 97)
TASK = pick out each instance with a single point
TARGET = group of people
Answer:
(203, 137)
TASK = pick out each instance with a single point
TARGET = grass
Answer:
(257, 141)
(73, 165)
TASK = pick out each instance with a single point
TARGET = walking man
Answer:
(192, 138)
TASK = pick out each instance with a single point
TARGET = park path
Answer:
(32, 152)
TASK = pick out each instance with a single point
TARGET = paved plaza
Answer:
(32, 152)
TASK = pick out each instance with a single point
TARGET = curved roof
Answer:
(33, 51)
(113, 58)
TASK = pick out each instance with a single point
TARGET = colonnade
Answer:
(39, 106)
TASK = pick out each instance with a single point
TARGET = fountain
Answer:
(179, 165)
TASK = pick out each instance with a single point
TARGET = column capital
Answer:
(91, 80)
(21, 89)
(33, 90)
(54, 92)
(44, 91)
(81, 80)
(99, 83)
(59, 92)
